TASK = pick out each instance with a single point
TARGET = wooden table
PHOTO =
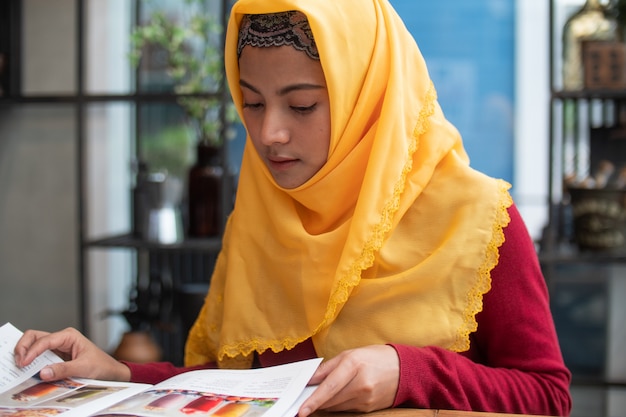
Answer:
(412, 412)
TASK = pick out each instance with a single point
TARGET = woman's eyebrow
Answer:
(243, 83)
(286, 89)
(301, 86)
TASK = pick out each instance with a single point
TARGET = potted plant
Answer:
(188, 47)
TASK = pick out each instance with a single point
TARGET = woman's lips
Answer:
(280, 163)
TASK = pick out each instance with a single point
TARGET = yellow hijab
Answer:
(393, 240)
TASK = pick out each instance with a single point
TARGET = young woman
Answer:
(360, 233)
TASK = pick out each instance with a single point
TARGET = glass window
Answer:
(167, 141)
(107, 46)
(108, 168)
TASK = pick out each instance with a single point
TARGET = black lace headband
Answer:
(277, 29)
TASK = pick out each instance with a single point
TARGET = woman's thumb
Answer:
(55, 372)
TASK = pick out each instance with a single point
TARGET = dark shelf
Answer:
(596, 381)
(589, 94)
(570, 254)
(140, 97)
(129, 241)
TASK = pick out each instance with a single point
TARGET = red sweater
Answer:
(514, 364)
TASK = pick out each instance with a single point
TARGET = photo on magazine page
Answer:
(174, 403)
(35, 397)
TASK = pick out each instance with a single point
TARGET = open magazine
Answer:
(269, 392)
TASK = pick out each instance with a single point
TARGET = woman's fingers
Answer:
(82, 357)
(29, 347)
(363, 379)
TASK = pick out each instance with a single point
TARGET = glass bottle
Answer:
(139, 199)
(593, 21)
(205, 192)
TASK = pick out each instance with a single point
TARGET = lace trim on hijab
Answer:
(384, 226)
(483, 283)
(277, 29)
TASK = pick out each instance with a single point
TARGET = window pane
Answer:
(107, 46)
(108, 166)
(166, 141)
(198, 55)
(49, 40)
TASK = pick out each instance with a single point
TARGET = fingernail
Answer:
(46, 373)
(305, 412)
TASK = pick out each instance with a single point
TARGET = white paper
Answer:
(21, 389)
(10, 374)
(276, 391)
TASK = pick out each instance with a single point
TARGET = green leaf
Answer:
(194, 61)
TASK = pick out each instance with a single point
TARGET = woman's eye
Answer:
(304, 109)
(252, 105)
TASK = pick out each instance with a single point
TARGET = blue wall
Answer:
(469, 48)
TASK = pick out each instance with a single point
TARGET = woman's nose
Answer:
(274, 129)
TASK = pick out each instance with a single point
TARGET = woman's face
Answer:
(286, 110)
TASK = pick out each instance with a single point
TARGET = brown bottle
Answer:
(205, 192)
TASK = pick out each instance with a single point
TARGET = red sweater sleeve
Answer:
(514, 364)
(155, 372)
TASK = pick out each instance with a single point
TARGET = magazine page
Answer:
(11, 375)
(293, 410)
(22, 393)
(269, 392)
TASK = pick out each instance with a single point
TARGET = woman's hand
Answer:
(83, 358)
(363, 379)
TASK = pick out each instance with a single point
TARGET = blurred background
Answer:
(114, 119)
